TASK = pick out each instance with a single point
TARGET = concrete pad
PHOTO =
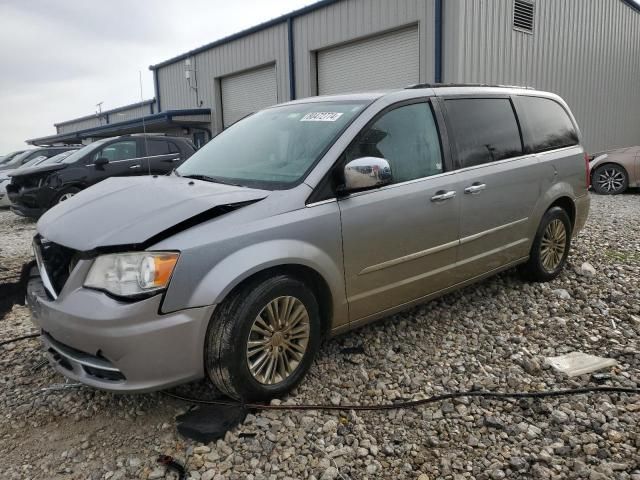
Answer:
(578, 363)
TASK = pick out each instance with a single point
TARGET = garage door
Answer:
(386, 61)
(247, 92)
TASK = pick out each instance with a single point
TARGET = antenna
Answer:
(144, 128)
(99, 112)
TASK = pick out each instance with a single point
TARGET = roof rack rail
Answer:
(443, 85)
(148, 134)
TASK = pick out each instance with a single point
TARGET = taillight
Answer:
(587, 170)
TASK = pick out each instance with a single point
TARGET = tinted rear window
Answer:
(158, 147)
(548, 124)
(484, 130)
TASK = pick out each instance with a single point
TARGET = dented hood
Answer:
(133, 210)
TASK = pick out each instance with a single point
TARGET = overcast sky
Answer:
(60, 58)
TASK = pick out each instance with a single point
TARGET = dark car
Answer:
(33, 191)
(28, 155)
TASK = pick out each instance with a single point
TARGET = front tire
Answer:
(550, 247)
(610, 179)
(262, 339)
(65, 195)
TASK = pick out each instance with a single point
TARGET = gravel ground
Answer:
(493, 335)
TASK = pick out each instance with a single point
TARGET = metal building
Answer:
(586, 51)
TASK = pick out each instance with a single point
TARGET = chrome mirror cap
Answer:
(366, 172)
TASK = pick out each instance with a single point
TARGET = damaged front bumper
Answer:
(118, 346)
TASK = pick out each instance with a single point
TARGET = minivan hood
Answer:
(37, 169)
(132, 210)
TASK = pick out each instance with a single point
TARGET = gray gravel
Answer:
(493, 335)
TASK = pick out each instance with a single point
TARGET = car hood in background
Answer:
(131, 211)
(37, 169)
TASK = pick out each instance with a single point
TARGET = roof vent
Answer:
(523, 16)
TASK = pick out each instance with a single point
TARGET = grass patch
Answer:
(622, 256)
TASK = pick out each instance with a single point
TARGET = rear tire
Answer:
(65, 195)
(550, 247)
(281, 319)
(610, 179)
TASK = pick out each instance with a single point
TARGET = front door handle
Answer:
(475, 188)
(442, 195)
(134, 166)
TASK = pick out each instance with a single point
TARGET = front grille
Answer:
(57, 261)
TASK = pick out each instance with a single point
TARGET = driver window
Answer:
(407, 137)
(117, 151)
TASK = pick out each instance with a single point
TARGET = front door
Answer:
(123, 158)
(400, 241)
(499, 185)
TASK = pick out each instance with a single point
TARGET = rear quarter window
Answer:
(158, 147)
(547, 124)
(484, 130)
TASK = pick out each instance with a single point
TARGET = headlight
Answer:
(132, 274)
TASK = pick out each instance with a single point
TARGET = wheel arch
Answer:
(568, 205)
(305, 274)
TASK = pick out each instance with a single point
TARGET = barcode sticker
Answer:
(321, 117)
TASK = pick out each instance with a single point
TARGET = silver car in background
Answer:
(615, 171)
(299, 222)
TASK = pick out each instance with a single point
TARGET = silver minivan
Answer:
(299, 222)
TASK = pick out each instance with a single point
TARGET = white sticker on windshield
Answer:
(321, 117)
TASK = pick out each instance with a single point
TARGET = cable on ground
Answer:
(18, 339)
(413, 403)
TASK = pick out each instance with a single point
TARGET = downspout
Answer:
(156, 85)
(292, 71)
(439, 6)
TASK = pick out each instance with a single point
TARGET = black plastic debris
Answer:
(210, 422)
(358, 349)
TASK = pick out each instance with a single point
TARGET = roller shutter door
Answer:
(247, 92)
(391, 60)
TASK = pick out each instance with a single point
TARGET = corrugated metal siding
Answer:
(356, 19)
(586, 51)
(129, 114)
(82, 124)
(113, 116)
(391, 60)
(260, 48)
(247, 92)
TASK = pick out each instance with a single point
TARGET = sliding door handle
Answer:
(475, 188)
(443, 195)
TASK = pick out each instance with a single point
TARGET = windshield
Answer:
(78, 154)
(34, 161)
(57, 158)
(274, 148)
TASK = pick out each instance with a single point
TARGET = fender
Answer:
(240, 265)
(600, 160)
(552, 194)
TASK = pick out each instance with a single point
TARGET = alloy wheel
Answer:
(65, 197)
(278, 340)
(610, 180)
(553, 245)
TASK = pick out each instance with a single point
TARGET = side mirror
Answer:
(366, 172)
(101, 161)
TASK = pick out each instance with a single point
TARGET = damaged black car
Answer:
(33, 191)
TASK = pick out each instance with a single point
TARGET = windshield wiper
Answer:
(208, 178)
